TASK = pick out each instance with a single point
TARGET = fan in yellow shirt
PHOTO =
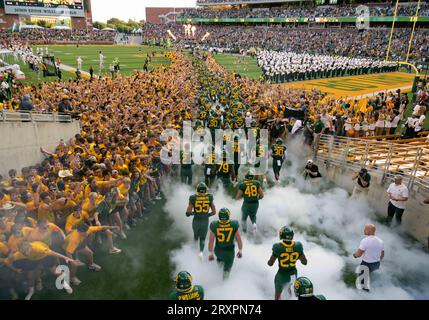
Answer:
(29, 259)
(75, 218)
(77, 240)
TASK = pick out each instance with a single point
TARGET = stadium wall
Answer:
(21, 141)
(162, 15)
(415, 220)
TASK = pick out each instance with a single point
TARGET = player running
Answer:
(199, 207)
(252, 192)
(278, 153)
(186, 165)
(288, 252)
(225, 231)
(304, 290)
(185, 289)
(210, 167)
(225, 172)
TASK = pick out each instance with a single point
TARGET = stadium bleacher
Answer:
(299, 12)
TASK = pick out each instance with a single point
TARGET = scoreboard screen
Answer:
(68, 8)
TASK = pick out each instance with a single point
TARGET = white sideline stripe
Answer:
(368, 95)
(68, 68)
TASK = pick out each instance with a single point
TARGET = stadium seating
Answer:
(300, 12)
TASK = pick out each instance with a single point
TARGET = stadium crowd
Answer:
(93, 189)
(305, 12)
(51, 35)
(344, 42)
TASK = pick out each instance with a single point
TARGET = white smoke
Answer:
(330, 226)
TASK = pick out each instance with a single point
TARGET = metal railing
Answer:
(408, 158)
(10, 116)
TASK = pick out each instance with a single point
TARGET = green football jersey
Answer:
(202, 115)
(313, 297)
(224, 170)
(239, 122)
(278, 151)
(195, 293)
(202, 204)
(214, 123)
(288, 254)
(225, 233)
(186, 159)
(250, 190)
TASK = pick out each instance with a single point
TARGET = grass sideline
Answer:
(229, 61)
(131, 59)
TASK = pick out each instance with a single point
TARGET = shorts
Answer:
(117, 209)
(249, 210)
(225, 256)
(284, 279)
(200, 226)
(103, 209)
(26, 264)
(372, 266)
(49, 262)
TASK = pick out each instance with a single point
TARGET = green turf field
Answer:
(248, 67)
(131, 59)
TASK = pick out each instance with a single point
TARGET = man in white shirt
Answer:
(371, 250)
(398, 195)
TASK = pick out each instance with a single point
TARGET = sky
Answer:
(103, 10)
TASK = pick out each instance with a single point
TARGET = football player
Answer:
(278, 153)
(304, 290)
(225, 232)
(288, 252)
(199, 207)
(185, 290)
(252, 192)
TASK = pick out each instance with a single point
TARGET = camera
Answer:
(363, 172)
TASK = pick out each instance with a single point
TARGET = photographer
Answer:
(312, 173)
(363, 181)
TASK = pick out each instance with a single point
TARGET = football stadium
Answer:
(222, 150)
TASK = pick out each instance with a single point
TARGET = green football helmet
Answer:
(286, 234)
(183, 281)
(303, 287)
(224, 215)
(202, 188)
(249, 175)
(279, 141)
(253, 123)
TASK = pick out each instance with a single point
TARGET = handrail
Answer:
(385, 158)
(12, 116)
